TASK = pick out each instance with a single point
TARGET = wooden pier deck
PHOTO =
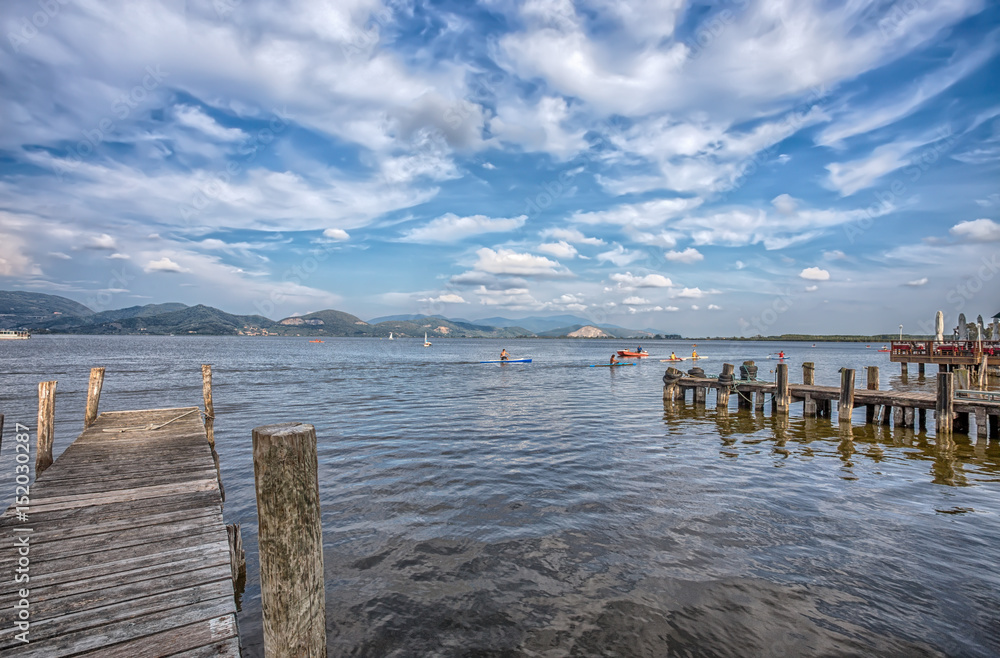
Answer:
(129, 555)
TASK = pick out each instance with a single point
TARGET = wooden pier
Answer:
(125, 545)
(901, 408)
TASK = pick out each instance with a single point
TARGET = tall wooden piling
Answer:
(206, 393)
(809, 373)
(872, 386)
(920, 369)
(46, 425)
(290, 538)
(903, 369)
(944, 410)
(845, 406)
(982, 428)
(781, 397)
(722, 397)
(1, 432)
(93, 396)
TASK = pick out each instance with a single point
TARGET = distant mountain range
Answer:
(41, 313)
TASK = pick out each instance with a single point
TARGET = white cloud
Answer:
(61, 256)
(571, 235)
(541, 127)
(338, 234)
(849, 177)
(164, 265)
(671, 308)
(489, 165)
(629, 280)
(688, 256)
(834, 254)
(102, 241)
(812, 288)
(714, 307)
(691, 293)
(694, 307)
(635, 301)
(620, 256)
(195, 118)
(977, 230)
(508, 261)
(561, 249)
(785, 204)
(118, 256)
(815, 274)
(639, 215)
(452, 228)
(447, 298)
(918, 282)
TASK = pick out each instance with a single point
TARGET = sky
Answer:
(705, 168)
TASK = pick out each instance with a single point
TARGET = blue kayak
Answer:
(509, 361)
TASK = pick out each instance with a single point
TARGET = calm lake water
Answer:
(551, 509)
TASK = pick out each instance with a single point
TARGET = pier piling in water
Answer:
(845, 406)
(93, 396)
(725, 379)
(46, 425)
(206, 393)
(781, 398)
(872, 386)
(944, 410)
(290, 539)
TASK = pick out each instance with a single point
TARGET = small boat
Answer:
(508, 361)
(315, 341)
(630, 353)
(7, 334)
(427, 343)
(390, 335)
(884, 349)
(608, 365)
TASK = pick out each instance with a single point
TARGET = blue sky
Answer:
(722, 168)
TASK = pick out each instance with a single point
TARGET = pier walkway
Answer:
(128, 552)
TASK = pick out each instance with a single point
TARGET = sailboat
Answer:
(427, 343)
(390, 335)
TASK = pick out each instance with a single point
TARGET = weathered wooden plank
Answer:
(225, 649)
(197, 635)
(125, 495)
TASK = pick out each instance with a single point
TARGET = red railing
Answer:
(945, 348)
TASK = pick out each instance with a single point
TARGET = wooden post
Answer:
(897, 416)
(237, 556)
(962, 379)
(808, 406)
(93, 396)
(920, 369)
(944, 409)
(845, 407)
(872, 386)
(809, 373)
(922, 418)
(1, 432)
(700, 394)
(908, 417)
(994, 422)
(758, 401)
(903, 368)
(206, 392)
(46, 425)
(290, 539)
(722, 393)
(781, 398)
(982, 429)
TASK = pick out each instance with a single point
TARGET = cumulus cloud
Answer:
(714, 307)
(620, 256)
(812, 288)
(629, 280)
(571, 235)
(639, 215)
(916, 283)
(102, 241)
(635, 301)
(452, 228)
(691, 293)
(688, 256)
(447, 298)
(338, 234)
(977, 230)
(164, 265)
(815, 274)
(508, 261)
(561, 249)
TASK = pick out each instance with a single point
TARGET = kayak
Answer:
(632, 354)
(509, 361)
(680, 358)
(608, 365)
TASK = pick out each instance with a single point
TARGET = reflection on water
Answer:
(553, 509)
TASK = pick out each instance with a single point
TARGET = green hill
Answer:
(200, 319)
(19, 308)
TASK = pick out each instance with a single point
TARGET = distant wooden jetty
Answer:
(123, 539)
(953, 407)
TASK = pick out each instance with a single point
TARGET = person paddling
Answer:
(614, 360)
(673, 357)
(503, 355)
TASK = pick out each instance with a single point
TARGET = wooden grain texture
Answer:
(290, 540)
(808, 373)
(206, 392)
(129, 551)
(93, 396)
(845, 405)
(782, 397)
(944, 409)
(46, 425)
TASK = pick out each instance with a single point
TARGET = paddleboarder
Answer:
(503, 355)
(614, 360)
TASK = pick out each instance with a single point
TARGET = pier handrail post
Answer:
(290, 539)
(93, 396)
(944, 408)
(845, 406)
(206, 392)
(872, 386)
(809, 373)
(46, 425)
(781, 399)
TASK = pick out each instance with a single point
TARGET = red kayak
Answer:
(632, 354)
